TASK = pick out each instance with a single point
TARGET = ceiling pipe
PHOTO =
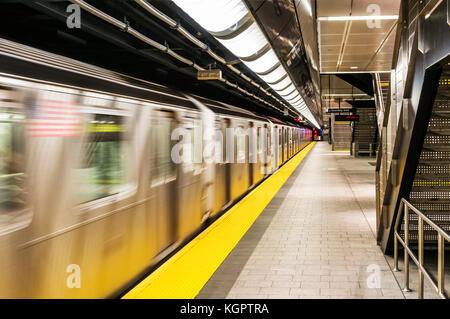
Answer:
(233, 25)
(126, 28)
(175, 25)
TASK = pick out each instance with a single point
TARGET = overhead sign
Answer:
(215, 74)
(351, 118)
(338, 110)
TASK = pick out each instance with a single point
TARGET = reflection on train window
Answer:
(12, 160)
(103, 170)
(240, 144)
(259, 137)
(163, 168)
(194, 146)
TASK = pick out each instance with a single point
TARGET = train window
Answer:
(194, 145)
(163, 168)
(105, 155)
(12, 158)
(240, 144)
(259, 136)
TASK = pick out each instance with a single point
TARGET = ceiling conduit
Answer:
(232, 24)
(126, 28)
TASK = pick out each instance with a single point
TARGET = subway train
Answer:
(90, 196)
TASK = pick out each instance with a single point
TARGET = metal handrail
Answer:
(439, 287)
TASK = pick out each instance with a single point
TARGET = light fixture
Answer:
(283, 84)
(274, 76)
(264, 63)
(232, 24)
(214, 16)
(291, 96)
(358, 18)
(287, 90)
(247, 43)
(307, 7)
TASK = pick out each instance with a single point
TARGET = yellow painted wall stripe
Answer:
(185, 273)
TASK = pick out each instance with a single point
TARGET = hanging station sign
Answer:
(214, 74)
(339, 110)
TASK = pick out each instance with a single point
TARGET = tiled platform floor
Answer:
(316, 238)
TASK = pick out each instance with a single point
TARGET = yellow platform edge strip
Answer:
(186, 272)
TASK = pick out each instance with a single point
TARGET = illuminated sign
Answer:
(209, 74)
(336, 110)
(352, 118)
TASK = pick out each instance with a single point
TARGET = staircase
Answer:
(430, 191)
(365, 131)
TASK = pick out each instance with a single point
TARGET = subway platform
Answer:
(315, 239)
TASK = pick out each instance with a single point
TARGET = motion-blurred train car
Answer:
(87, 180)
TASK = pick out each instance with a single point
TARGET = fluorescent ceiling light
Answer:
(247, 42)
(287, 90)
(358, 18)
(263, 63)
(297, 99)
(213, 15)
(223, 15)
(291, 96)
(282, 84)
(307, 7)
(274, 76)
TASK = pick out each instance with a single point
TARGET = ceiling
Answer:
(357, 45)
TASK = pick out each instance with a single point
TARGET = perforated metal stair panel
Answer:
(430, 191)
(341, 134)
(365, 130)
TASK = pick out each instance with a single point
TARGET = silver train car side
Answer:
(90, 197)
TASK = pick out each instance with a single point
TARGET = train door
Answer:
(293, 139)
(239, 172)
(258, 157)
(273, 149)
(15, 212)
(189, 184)
(251, 153)
(222, 182)
(163, 178)
(289, 142)
(267, 149)
(280, 145)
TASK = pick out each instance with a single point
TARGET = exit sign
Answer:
(352, 118)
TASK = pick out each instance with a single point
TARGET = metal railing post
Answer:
(420, 288)
(396, 243)
(395, 253)
(441, 273)
(443, 236)
(406, 232)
